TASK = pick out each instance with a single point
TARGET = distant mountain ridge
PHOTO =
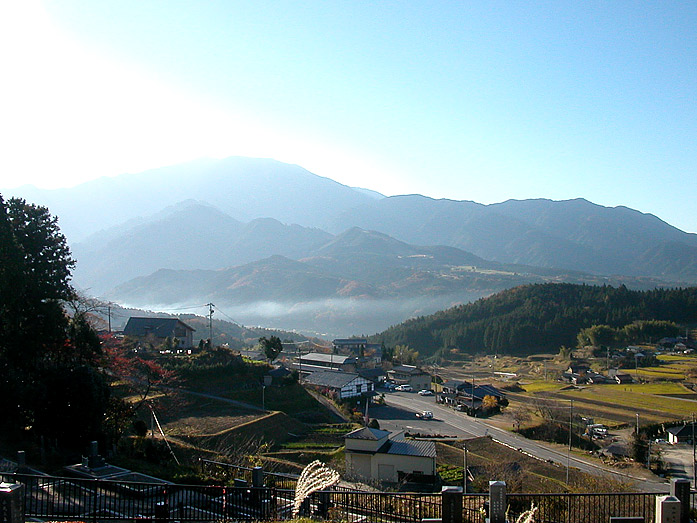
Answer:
(571, 234)
(240, 228)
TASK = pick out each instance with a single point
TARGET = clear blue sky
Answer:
(482, 101)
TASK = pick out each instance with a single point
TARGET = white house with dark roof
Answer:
(373, 454)
(341, 385)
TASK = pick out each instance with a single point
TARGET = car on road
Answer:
(425, 392)
(404, 388)
(426, 414)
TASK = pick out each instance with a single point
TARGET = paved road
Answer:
(399, 415)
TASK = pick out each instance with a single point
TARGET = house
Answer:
(417, 378)
(466, 396)
(279, 375)
(349, 346)
(455, 386)
(376, 375)
(373, 454)
(369, 353)
(623, 379)
(340, 385)
(680, 434)
(159, 329)
(578, 368)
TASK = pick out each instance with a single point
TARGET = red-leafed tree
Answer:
(141, 374)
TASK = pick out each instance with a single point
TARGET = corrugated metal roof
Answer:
(410, 447)
(326, 358)
(331, 379)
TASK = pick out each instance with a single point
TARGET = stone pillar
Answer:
(161, 512)
(257, 477)
(11, 503)
(667, 509)
(497, 502)
(451, 504)
(680, 488)
(21, 461)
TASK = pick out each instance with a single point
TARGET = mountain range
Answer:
(277, 245)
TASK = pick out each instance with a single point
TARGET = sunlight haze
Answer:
(482, 101)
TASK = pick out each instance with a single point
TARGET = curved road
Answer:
(460, 425)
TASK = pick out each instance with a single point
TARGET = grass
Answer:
(658, 387)
(636, 401)
(677, 357)
(541, 386)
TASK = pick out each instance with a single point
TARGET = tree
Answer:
(272, 347)
(49, 382)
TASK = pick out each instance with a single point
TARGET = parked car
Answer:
(426, 414)
(404, 388)
(425, 392)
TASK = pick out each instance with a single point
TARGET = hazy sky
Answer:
(477, 100)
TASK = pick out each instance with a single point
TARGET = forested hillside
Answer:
(538, 318)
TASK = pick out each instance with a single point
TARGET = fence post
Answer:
(667, 509)
(257, 477)
(11, 503)
(451, 504)
(680, 488)
(497, 502)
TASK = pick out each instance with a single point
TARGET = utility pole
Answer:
(568, 451)
(210, 324)
(108, 308)
(464, 472)
(694, 467)
(637, 424)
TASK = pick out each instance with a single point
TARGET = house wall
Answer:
(359, 464)
(386, 467)
(350, 390)
(421, 381)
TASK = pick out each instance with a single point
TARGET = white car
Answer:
(404, 388)
(426, 414)
(425, 392)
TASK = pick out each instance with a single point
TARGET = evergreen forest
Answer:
(539, 318)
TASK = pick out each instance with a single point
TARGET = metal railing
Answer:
(90, 500)
(271, 479)
(583, 508)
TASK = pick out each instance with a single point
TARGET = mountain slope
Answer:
(190, 235)
(538, 318)
(244, 188)
(572, 234)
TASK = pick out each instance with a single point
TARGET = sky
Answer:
(482, 101)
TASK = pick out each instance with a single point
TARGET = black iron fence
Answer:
(583, 508)
(271, 479)
(60, 498)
